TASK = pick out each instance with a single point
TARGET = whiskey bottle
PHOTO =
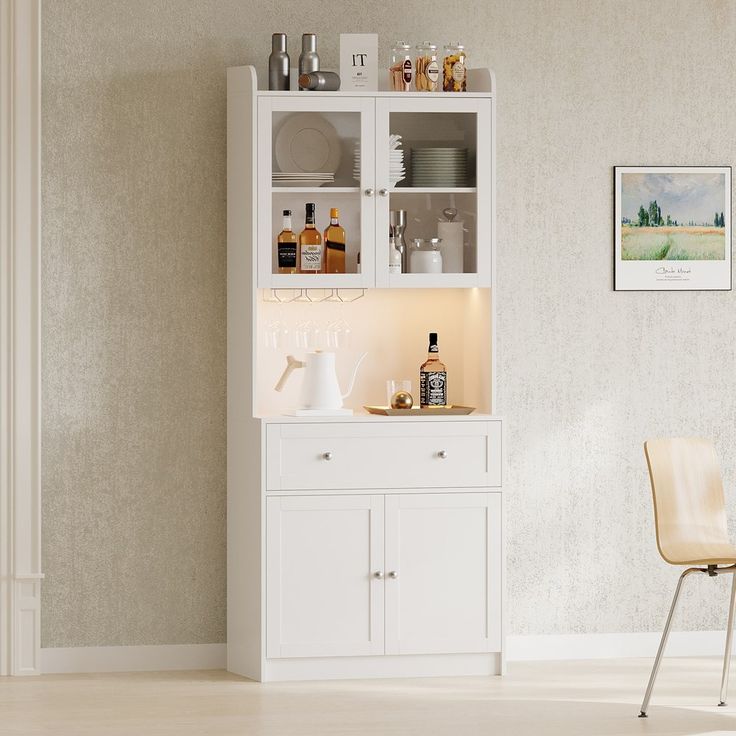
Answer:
(310, 244)
(433, 377)
(286, 246)
(334, 244)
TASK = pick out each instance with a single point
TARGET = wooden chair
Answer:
(690, 520)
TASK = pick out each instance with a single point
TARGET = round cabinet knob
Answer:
(442, 454)
(383, 192)
(327, 456)
(369, 192)
(393, 574)
(378, 574)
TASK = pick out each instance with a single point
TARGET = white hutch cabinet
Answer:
(361, 546)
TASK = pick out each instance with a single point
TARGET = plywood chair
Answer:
(691, 525)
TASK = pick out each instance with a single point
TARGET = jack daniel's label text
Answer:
(433, 388)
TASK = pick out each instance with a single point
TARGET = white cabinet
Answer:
(434, 559)
(361, 546)
(323, 598)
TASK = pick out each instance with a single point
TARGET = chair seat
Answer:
(700, 554)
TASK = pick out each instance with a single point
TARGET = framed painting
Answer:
(672, 228)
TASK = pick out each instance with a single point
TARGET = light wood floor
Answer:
(570, 698)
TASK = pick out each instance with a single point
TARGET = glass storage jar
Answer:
(426, 256)
(401, 69)
(454, 68)
(426, 68)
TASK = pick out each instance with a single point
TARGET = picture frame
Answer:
(672, 228)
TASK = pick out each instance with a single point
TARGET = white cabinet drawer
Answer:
(376, 454)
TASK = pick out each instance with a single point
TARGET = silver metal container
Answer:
(278, 63)
(308, 59)
(397, 228)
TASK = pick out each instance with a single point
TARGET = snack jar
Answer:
(401, 69)
(426, 68)
(454, 68)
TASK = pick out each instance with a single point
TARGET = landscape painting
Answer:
(675, 224)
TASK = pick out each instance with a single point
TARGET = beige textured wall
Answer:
(134, 297)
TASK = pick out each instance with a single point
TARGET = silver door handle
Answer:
(378, 574)
(442, 454)
(383, 192)
(393, 574)
(327, 455)
(369, 192)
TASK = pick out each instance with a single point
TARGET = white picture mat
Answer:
(671, 275)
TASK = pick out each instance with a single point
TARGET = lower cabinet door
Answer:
(443, 573)
(324, 576)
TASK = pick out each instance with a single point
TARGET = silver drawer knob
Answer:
(442, 454)
(327, 456)
(383, 192)
(369, 192)
(378, 574)
(393, 574)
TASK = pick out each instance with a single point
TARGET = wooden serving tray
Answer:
(452, 410)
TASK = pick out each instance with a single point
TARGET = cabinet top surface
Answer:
(481, 83)
(342, 94)
(374, 418)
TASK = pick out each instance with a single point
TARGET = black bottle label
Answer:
(433, 388)
(333, 245)
(287, 255)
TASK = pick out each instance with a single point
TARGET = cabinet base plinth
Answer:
(405, 665)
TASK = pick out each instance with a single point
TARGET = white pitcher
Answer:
(320, 393)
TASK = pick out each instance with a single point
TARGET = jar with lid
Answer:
(455, 68)
(426, 68)
(426, 256)
(401, 69)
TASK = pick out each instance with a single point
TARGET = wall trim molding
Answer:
(151, 658)
(20, 250)
(610, 646)
(134, 658)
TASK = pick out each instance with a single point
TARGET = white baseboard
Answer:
(518, 648)
(608, 646)
(134, 659)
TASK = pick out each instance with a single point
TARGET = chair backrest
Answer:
(689, 508)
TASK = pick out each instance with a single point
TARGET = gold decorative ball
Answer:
(402, 400)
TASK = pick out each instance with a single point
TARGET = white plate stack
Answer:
(396, 170)
(439, 167)
(301, 179)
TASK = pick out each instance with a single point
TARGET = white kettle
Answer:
(321, 393)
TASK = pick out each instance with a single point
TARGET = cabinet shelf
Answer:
(434, 190)
(315, 190)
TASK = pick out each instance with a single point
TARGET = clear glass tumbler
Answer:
(393, 385)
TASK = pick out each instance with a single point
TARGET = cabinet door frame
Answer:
(492, 502)
(266, 107)
(275, 505)
(485, 186)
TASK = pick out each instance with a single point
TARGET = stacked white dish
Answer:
(396, 171)
(301, 178)
(439, 167)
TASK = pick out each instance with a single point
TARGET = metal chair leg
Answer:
(729, 640)
(663, 641)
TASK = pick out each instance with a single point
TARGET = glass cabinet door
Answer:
(316, 153)
(433, 163)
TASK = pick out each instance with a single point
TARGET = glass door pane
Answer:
(434, 155)
(311, 154)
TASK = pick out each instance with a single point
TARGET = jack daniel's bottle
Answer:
(433, 377)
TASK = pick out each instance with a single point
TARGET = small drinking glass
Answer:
(393, 385)
(339, 335)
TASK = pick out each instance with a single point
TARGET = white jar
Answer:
(426, 256)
